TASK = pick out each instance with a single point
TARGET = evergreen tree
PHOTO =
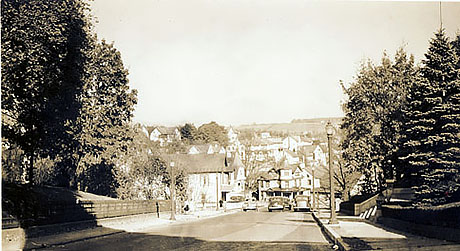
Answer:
(188, 132)
(429, 142)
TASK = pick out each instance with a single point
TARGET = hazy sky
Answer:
(246, 61)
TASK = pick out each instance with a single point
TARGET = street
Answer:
(241, 231)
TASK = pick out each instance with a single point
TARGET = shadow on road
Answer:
(143, 241)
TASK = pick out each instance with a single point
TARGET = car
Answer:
(278, 203)
(250, 204)
(302, 203)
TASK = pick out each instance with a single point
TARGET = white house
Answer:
(212, 177)
(165, 134)
(291, 143)
(315, 155)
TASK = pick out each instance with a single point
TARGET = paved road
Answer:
(240, 231)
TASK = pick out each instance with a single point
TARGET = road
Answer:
(239, 231)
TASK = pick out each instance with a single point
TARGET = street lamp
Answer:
(330, 132)
(313, 187)
(172, 189)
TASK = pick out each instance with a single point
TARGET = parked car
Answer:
(279, 203)
(250, 204)
(302, 203)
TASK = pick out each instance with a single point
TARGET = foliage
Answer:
(65, 97)
(429, 142)
(212, 132)
(188, 132)
(12, 162)
(102, 129)
(42, 68)
(142, 174)
(372, 117)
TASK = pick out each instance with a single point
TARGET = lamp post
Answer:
(313, 186)
(217, 191)
(172, 189)
(330, 132)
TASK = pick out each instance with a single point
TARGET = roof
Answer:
(309, 149)
(166, 130)
(293, 154)
(200, 163)
(237, 163)
(205, 148)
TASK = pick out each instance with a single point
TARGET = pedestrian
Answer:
(186, 208)
(158, 209)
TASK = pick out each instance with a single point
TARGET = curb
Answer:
(331, 234)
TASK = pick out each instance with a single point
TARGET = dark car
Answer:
(279, 203)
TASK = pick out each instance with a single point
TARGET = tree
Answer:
(372, 118)
(43, 59)
(188, 132)
(212, 132)
(142, 173)
(102, 130)
(429, 142)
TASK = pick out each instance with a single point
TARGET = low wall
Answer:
(442, 233)
(62, 212)
(355, 208)
(443, 216)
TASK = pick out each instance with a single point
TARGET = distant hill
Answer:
(297, 126)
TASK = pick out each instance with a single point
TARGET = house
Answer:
(232, 135)
(165, 135)
(287, 181)
(212, 177)
(265, 135)
(291, 157)
(291, 143)
(315, 154)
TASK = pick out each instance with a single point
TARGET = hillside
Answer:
(297, 126)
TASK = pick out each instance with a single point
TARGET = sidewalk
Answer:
(353, 233)
(106, 227)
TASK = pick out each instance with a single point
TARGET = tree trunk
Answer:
(30, 171)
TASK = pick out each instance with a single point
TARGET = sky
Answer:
(257, 61)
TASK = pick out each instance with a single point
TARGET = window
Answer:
(283, 184)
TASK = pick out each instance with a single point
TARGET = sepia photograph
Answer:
(230, 125)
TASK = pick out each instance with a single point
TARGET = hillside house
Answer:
(165, 135)
(315, 155)
(212, 177)
(287, 181)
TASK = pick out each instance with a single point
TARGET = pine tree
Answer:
(428, 142)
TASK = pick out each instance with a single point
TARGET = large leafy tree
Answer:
(43, 59)
(212, 132)
(429, 145)
(103, 129)
(372, 118)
